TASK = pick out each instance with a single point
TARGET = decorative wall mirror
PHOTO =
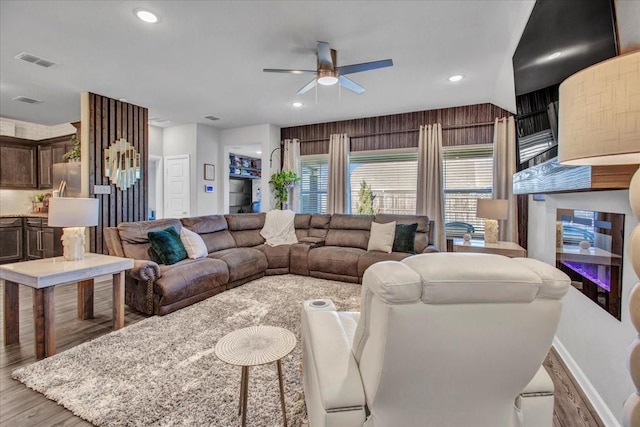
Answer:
(122, 164)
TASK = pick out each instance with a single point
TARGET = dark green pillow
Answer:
(405, 239)
(167, 245)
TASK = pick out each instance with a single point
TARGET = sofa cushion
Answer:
(335, 260)
(190, 277)
(218, 241)
(242, 262)
(135, 242)
(348, 238)
(405, 238)
(369, 258)
(351, 222)
(254, 221)
(422, 233)
(193, 244)
(381, 238)
(205, 224)
(319, 225)
(167, 245)
(277, 256)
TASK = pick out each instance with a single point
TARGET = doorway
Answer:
(177, 191)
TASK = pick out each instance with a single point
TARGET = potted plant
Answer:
(73, 155)
(281, 182)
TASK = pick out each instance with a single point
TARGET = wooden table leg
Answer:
(11, 313)
(284, 411)
(245, 370)
(85, 299)
(241, 391)
(118, 300)
(44, 322)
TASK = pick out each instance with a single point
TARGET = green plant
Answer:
(365, 200)
(281, 182)
(74, 153)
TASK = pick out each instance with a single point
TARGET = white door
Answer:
(177, 187)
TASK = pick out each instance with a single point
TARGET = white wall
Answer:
(267, 136)
(207, 146)
(594, 339)
(155, 141)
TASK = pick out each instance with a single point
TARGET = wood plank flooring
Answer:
(20, 406)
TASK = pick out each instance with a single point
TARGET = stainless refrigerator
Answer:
(70, 173)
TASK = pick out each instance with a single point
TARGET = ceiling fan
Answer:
(328, 73)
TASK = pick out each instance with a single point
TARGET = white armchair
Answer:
(445, 339)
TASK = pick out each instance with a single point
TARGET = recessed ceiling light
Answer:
(258, 152)
(456, 78)
(554, 55)
(297, 104)
(146, 16)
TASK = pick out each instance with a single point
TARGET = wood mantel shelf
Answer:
(552, 177)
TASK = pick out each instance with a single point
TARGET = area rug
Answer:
(162, 371)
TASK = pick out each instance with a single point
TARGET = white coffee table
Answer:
(43, 275)
(253, 346)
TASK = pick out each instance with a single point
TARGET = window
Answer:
(313, 188)
(468, 176)
(392, 177)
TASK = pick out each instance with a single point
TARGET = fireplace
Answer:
(589, 249)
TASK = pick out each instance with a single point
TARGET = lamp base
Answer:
(73, 243)
(490, 231)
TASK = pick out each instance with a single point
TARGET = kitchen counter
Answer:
(27, 215)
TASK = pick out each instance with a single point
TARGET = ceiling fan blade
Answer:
(324, 56)
(350, 84)
(308, 86)
(365, 66)
(278, 70)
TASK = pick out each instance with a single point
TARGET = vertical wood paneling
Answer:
(400, 130)
(109, 121)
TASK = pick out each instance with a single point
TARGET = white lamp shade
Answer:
(73, 212)
(493, 208)
(599, 114)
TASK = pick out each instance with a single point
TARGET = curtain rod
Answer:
(393, 132)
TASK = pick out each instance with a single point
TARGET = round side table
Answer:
(252, 346)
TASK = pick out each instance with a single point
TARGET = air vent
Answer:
(27, 100)
(34, 59)
(212, 118)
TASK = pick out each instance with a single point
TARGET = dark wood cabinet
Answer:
(58, 151)
(41, 240)
(45, 163)
(11, 236)
(18, 166)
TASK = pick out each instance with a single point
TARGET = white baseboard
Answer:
(607, 417)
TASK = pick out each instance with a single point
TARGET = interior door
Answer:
(177, 187)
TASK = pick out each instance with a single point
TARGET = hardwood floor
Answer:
(20, 406)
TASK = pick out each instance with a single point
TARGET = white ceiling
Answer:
(206, 58)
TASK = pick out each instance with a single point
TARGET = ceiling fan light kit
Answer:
(328, 74)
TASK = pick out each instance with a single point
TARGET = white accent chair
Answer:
(444, 339)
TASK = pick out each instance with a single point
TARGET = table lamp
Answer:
(74, 214)
(599, 124)
(492, 210)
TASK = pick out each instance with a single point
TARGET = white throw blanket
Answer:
(278, 228)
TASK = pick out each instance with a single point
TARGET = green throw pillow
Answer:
(405, 239)
(167, 245)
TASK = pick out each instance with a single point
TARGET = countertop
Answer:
(25, 215)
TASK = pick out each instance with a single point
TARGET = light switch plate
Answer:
(101, 189)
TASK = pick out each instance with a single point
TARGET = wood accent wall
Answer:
(110, 120)
(401, 130)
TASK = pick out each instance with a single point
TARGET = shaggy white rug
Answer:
(162, 371)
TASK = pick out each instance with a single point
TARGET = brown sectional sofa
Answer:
(329, 246)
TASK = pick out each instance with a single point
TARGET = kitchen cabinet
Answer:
(41, 241)
(18, 166)
(45, 163)
(11, 236)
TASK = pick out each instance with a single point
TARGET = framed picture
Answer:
(209, 172)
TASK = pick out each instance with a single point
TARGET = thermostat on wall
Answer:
(208, 188)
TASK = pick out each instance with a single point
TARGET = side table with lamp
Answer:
(44, 275)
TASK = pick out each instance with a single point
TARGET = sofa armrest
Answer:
(339, 385)
(430, 249)
(144, 270)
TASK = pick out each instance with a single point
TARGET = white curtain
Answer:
(338, 183)
(291, 162)
(504, 166)
(430, 196)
